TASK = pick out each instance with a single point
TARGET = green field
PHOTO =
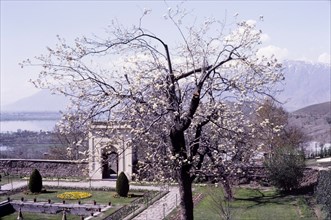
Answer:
(252, 204)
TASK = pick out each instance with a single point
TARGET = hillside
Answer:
(42, 101)
(315, 120)
(318, 109)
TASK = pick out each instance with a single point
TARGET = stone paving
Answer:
(157, 211)
(162, 207)
(14, 185)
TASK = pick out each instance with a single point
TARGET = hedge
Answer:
(122, 185)
(323, 192)
(35, 183)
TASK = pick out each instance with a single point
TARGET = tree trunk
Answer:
(227, 188)
(185, 192)
(183, 175)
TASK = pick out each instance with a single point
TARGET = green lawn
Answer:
(250, 204)
(101, 197)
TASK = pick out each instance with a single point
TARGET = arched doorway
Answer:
(110, 150)
(109, 164)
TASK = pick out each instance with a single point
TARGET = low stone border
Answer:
(5, 208)
(54, 208)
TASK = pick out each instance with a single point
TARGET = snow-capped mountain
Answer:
(305, 84)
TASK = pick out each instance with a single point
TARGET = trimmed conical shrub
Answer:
(35, 182)
(122, 185)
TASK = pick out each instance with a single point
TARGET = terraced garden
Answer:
(55, 197)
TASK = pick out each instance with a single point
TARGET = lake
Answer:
(29, 125)
(30, 121)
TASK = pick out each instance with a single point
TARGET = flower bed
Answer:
(74, 195)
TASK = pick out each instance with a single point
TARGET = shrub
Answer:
(122, 185)
(323, 191)
(285, 168)
(35, 182)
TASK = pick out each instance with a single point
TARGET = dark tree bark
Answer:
(185, 191)
(183, 175)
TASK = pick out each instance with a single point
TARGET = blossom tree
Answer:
(73, 135)
(278, 131)
(184, 101)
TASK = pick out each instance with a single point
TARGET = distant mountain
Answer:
(305, 84)
(322, 109)
(315, 121)
(42, 101)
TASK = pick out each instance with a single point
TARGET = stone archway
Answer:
(109, 163)
(106, 141)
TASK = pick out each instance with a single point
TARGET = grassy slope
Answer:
(251, 204)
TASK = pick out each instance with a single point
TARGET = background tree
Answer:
(283, 144)
(218, 203)
(171, 97)
(276, 129)
(72, 133)
(285, 168)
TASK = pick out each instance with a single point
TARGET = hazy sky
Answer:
(297, 30)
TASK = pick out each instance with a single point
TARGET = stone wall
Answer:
(47, 168)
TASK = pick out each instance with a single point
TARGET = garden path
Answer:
(162, 207)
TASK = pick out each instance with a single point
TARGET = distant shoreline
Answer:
(30, 116)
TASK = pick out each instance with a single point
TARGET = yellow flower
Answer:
(74, 195)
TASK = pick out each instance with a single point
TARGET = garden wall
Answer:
(47, 168)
